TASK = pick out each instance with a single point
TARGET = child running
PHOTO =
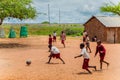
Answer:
(63, 38)
(86, 57)
(50, 42)
(55, 53)
(84, 36)
(100, 48)
(87, 41)
(54, 36)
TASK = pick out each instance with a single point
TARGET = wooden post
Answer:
(114, 36)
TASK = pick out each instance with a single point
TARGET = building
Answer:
(106, 28)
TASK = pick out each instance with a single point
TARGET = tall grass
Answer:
(45, 29)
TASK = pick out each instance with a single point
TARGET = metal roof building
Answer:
(109, 21)
(106, 28)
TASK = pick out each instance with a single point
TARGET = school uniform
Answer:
(63, 36)
(87, 41)
(55, 53)
(86, 57)
(84, 36)
(50, 43)
(99, 49)
(54, 36)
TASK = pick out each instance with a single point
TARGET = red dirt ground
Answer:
(15, 52)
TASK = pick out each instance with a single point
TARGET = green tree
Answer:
(111, 7)
(45, 22)
(21, 9)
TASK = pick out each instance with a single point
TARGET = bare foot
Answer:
(95, 68)
(108, 65)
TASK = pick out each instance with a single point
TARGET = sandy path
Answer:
(13, 67)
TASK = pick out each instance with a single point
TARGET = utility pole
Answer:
(59, 16)
(49, 13)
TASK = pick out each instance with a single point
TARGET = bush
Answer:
(45, 22)
(74, 31)
(42, 29)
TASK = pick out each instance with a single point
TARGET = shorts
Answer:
(55, 55)
(88, 44)
(62, 42)
(54, 37)
(84, 39)
(102, 55)
(85, 64)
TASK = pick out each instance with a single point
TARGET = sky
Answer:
(65, 11)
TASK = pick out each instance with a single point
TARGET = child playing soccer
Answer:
(54, 36)
(50, 42)
(63, 38)
(100, 48)
(87, 41)
(86, 57)
(55, 53)
(84, 36)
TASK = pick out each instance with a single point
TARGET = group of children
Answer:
(54, 51)
(84, 51)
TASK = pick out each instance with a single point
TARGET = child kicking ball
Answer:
(55, 53)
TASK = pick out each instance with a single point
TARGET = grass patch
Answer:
(45, 29)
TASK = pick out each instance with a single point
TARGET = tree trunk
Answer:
(1, 21)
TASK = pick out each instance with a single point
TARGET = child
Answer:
(63, 38)
(100, 48)
(87, 43)
(86, 57)
(54, 36)
(94, 39)
(50, 42)
(84, 36)
(55, 53)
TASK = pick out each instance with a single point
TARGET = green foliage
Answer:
(111, 8)
(20, 9)
(41, 29)
(45, 22)
(74, 31)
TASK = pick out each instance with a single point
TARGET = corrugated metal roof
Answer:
(109, 21)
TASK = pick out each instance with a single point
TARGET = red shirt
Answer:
(100, 48)
(50, 41)
(63, 36)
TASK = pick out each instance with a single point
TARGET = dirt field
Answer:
(15, 52)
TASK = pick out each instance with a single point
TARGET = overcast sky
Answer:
(71, 11)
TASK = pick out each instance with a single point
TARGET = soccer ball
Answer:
(28, 62)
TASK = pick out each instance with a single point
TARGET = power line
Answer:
(49, 13)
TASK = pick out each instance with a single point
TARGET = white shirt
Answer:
(54, 34)
(84, 34)
(55, 50)
(85, 54)
(87, 39)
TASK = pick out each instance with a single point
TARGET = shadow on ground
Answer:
(81, 73)
(12, 45)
